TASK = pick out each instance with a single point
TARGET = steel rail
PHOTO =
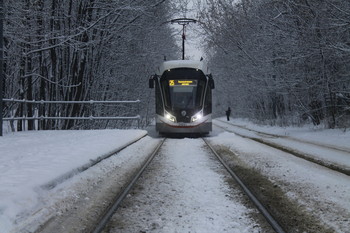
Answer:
(274, 224)
(298, 154)
(110, 212)
(287, 137)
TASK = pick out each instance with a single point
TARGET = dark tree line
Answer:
(281, 61)
(82, 50)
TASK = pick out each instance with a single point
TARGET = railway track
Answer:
(269, 135)
(100, 227)
(268, 139)
(111, 210)
(85, 198)
(102, 222)
(269, 218)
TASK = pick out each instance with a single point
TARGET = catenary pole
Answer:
(1, 61)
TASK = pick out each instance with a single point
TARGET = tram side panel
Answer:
(159, 106)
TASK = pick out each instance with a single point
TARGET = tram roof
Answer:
(168, 65)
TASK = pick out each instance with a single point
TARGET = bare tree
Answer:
(81, 50)
(282, 60)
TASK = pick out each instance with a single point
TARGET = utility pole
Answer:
(1, 60)
(184, 22)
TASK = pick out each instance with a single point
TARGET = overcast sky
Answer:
(193, 45)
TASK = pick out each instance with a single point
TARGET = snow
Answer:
(324, 191)
(335, 137)
(34, 161)
(188, 194)
(30, 161)
(294, 137)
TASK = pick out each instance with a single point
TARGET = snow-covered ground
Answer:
(33, 161)
(321, 191)
(313, 142)
(337, 137)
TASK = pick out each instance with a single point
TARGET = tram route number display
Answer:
(182, 82)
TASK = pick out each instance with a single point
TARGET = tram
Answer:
(183, 96)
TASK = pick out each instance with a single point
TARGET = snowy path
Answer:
(185, 190)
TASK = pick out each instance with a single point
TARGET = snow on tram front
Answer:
(183, 93)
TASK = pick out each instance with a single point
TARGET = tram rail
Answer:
(270, 135)
(114, 206)
(292, 151)
(90, 203)
(269, 218)
(100, 227)
(102, 223)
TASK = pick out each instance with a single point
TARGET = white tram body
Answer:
(183, 93)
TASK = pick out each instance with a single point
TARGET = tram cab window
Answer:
(183, 97)
(183, 88)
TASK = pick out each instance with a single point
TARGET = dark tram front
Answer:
(183, 90)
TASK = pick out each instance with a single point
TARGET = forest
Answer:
(281, 61)
(75, 50)
(273, 61)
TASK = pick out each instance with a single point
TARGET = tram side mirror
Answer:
(151, 81)
(211, 82)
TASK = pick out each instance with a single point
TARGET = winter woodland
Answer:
(281, 62)
(74, 50)
(277, 62)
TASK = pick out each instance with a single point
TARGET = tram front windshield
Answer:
(183, 96)
(183, 88)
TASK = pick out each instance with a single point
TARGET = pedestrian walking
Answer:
(228, 113)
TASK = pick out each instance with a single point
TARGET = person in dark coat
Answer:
(228, 113)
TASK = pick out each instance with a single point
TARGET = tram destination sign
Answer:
(182, 82)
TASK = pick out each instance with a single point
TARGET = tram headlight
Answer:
(170, 117)
(197, 117)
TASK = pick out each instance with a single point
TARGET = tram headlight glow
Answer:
(169, 117)
(197, 117)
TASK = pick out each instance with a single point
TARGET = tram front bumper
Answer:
(201, 128)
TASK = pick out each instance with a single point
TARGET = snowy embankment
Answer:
(30, 161)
